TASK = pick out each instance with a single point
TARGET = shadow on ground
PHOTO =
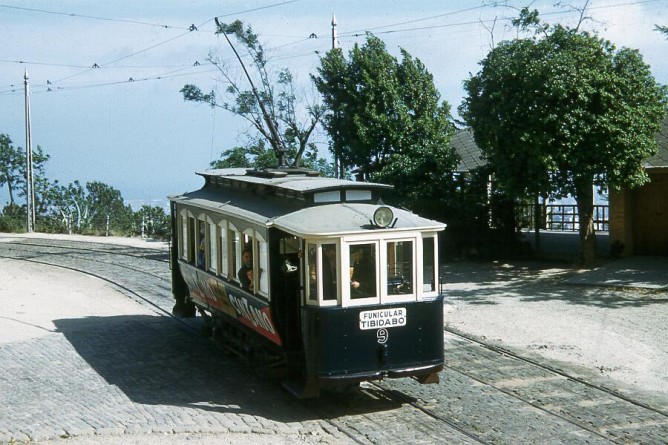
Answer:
(616, 284)
(155, 361)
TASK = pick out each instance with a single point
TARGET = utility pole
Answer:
(334, 36)
(338, 165)
(30, 180)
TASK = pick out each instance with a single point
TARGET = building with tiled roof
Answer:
(467, 149)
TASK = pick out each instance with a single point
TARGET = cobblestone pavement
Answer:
(117, 370)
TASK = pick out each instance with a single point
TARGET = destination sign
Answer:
(383, 318)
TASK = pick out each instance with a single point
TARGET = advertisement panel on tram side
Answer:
(231, 301)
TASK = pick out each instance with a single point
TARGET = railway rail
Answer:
(487, 395)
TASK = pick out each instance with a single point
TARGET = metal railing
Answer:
(561, 217)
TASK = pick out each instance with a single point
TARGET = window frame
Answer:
(319, 299)
(385, 297)
(212, 246)
(382, 239)
(234, 249)
(423, 294)
(183, 234)
(346, 299)
(201, 221)
(224, 253)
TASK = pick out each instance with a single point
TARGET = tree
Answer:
(152, 222)
(13, 167)
(107, 210)
(69, 202)
(258, 155)
(387, 121)
(662, 29)
(91, 208)
(272, 107)
(11, 160)
(564, 112)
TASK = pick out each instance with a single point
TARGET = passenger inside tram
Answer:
(246, 266)
(363, 279)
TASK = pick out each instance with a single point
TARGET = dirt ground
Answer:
(546, 309)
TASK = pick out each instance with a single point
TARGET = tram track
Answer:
(154, 256)
(554, 370)
(405, 398)
(576, 392)
(129, 251)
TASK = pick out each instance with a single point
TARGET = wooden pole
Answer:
(30, 181)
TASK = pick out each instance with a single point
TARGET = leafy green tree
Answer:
(387, 121)
(254, 155)
(562, 112)
(662, 29)
(107, 210)
(258, 155)
(13, 175)
(69, 202)
(13, 167)
(272, 106)
(96, 208)
(152, 222)
(11, 160)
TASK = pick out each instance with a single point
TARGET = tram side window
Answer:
(234, 239)
(399, 267)
(330, 272)
(213, 248)
(201, 244)
(428, 265)
(263, 277)
(191, 240)
(246, 273)
(363, 271)
(311, 258)
(224, 253)
(184, 237)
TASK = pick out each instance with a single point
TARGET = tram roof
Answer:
(296, 180)
(333, 219)
(250, 199)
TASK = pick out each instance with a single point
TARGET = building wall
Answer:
(620, 222)
(639, 217)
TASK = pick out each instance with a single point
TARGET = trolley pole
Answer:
(30, 180)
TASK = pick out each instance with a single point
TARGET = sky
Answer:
(125, 123)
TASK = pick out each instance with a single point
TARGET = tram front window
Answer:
(363, 271)
(399, 267)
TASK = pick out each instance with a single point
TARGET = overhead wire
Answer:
(359, 33)
(71, 14)
(271, 49)
(137, 22)
(189, 29)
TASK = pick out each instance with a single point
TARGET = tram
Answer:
(310, 278)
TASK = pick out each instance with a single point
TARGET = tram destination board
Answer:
(383, 318)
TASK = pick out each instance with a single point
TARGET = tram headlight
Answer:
(383, 216)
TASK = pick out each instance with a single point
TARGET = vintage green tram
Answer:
(311, 276)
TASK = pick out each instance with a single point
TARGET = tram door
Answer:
(286, 266)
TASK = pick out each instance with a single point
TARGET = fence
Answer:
(562, 217)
